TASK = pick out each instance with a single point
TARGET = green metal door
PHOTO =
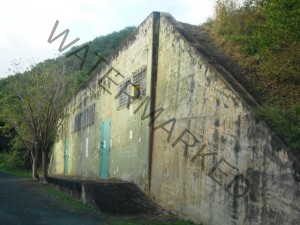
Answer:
(66, 156)
(104, 148)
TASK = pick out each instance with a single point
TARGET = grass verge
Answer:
(131, 222)
(61, 197)
(285, 123)
(79, 206)
(18, 173)
(65, 199)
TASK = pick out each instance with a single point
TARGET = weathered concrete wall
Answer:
(193, 92)
(129, 134)
(243, 175)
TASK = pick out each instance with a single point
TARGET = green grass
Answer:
(66, 200)
(131, 222)
(18, 173)
(61, 197)
(268, 56)
(79, 206)
(285, 124)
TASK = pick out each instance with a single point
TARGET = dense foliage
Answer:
(264, 37)
(103, 45)
(14, 153)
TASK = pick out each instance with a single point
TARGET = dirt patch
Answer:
(121, 199)
(110, 196)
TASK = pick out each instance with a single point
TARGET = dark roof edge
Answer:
(226, 76)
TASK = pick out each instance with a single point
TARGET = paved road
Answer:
(21, 202)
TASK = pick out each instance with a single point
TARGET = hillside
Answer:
(102, 45)
(261, 45)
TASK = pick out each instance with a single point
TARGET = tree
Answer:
(6, 134)
(37, 100)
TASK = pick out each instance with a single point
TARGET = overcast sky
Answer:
(26, 25)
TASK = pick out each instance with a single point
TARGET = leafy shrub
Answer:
(17, 158)
(14, 160)
(3, 159)
(263, 35)
(285, 124)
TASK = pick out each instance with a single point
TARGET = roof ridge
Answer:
(236, 85)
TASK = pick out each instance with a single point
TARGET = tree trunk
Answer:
(44, 166)
(34, 157)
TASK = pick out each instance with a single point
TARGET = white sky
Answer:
(26, 25)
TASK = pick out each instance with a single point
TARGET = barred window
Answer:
(77, 126)
(139, 79)
(123, 98)
(136, 86)
(91, 115)
(85, 118)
